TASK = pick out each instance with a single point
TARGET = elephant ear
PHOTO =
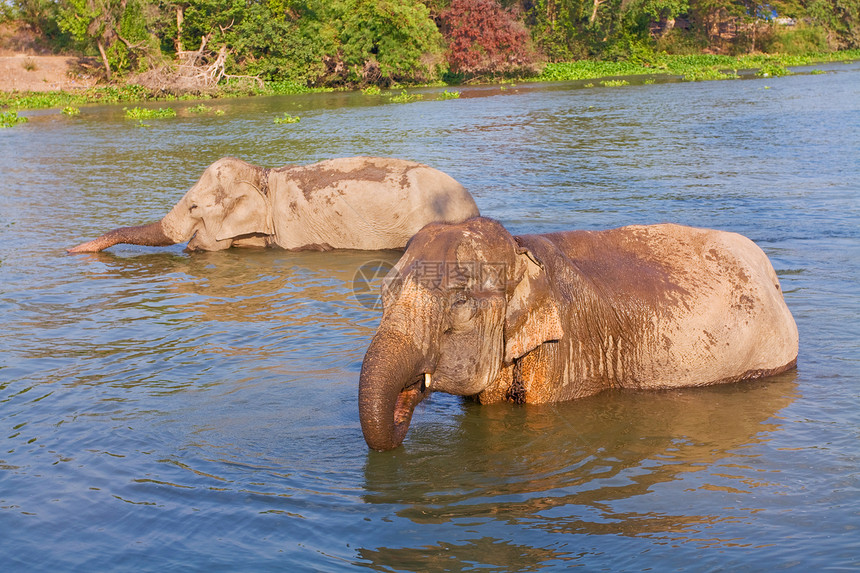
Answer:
(532, 315)
(249, 212)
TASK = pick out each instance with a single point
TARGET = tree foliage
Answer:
(383, 42)
(483, 39)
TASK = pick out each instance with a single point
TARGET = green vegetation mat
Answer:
(688, 67)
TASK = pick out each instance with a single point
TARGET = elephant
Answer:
(471, 310)
(366, 203)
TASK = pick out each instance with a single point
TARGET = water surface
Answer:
(171, 411)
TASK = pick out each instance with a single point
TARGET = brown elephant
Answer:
(349, 203)
(472, 310)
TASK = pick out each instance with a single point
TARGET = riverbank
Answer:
(684, 67)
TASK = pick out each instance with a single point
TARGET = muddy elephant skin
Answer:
(349, 203)
(472, 310)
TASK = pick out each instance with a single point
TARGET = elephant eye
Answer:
(462, 308)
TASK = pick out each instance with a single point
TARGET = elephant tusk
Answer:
(427, 381)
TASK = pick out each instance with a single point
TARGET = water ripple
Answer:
(162, 408)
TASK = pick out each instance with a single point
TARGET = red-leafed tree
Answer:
(485, 39)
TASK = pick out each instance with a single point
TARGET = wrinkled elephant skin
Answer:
(543, 318)
(349, 203)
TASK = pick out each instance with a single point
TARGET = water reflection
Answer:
(240, 285)
(493, 553)
(584, 467)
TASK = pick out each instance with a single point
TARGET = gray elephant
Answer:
(471, 310)
(348, 203)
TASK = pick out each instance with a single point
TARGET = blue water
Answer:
(170, 411)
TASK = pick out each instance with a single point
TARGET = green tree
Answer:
(117, 29)
(557, 28)
(92, 22)
(279, 41)
(841, 19)
(387, 41)
(41, 15)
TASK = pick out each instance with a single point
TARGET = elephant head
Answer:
(462, 301)
(229, 203)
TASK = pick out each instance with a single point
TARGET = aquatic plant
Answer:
(199, 108)
(287, 118)
(589, 69)
(772, 71)
(406, 97)
(288, 87)
(696, 67)
(141, 113)
(449, 95)
(71, 111)
(614, 83)
(371, 91)
(11, 118)
(708, 74)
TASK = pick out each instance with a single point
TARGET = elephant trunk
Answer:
(152, 235)
(394, 379)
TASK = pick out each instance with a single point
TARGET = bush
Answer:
(486, 40)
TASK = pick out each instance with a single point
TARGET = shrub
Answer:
(486, 40)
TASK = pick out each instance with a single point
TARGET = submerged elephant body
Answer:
(474, 311)
(349, 203)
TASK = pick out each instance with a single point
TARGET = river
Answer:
(165, 411)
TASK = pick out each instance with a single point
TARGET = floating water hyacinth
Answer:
(142, 113)
(287, 118)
